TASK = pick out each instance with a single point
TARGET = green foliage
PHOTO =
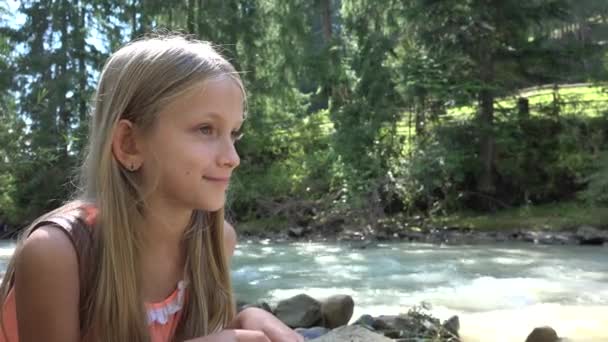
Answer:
(539, 160)
(557, 216)
(596, 191)
(351, 104)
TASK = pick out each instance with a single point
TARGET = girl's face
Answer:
(190, 155)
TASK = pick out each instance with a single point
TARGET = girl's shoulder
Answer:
(47, 251)
(64, 236)
(60, 236)
(47, 278)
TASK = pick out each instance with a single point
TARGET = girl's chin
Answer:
(211, 206)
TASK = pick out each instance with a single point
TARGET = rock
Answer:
(352, 333)
(543, 334)
(560, 239)
(588, 235)
(452, 325)
(296, 232)
(301, 311)
(240, 305)
(383, 236)
(412, 235)
(393, 334)
(366, 321)
(531, 236)
(361, 244)
(337, 310)
(260, 305)
(390, 322)
(312, 333)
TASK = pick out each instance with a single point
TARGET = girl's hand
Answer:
(272, 327)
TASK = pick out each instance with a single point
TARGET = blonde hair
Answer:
(136, 83)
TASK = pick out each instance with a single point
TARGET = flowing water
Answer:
(500, 292)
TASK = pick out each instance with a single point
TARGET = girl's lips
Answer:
(218, 179)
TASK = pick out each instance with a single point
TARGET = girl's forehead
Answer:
(222, 97)
(220, 88)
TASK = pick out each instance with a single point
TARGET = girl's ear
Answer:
(125, 146)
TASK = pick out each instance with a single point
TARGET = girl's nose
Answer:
(229, 157)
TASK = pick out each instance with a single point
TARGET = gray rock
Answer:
(337, 310)
(366, 321)
(561, 239)
(588, 235)
(312, 333)
(352, 333)
(296, 232)
(240, 305)
(531, 236)
(412, 235)
(260, 305)
(543, 334)
(452, 325)
(301, 311)
(391, 322)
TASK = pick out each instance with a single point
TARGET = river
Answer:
(500, 292)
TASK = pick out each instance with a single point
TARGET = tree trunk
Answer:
(485, 183)
(190, 16)
(200, 20)
(420, 114)
(329, 90)
(134, 30)
(63, 78)
(82, 69)
(325, 7)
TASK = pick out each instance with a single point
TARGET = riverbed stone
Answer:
(352, 333)
(301, 311)
(452, 325)
(392, 322)
(296, 232)
(260, 305)
(312, 333)
(337, 310)
(543, 334)
(366, 321)
(588, 235)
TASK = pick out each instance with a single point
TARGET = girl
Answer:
(142, 253)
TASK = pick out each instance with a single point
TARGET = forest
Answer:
(359, 109)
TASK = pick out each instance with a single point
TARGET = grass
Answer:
(261, 226)
(579, 99)
(558, 216)
(585, 100)
(551, 216)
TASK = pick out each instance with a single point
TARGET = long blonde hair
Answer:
(135, 84)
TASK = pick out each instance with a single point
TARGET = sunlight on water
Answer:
(500, 292)
(578, 323)
(511, 261)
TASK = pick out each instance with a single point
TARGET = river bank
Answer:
(557, 224)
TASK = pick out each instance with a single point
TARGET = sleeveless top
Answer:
(162, 317)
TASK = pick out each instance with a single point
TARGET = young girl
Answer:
(142, 253)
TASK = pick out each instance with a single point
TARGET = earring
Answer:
(132, 167)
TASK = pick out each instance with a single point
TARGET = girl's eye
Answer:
(206, 130)
(237, 135)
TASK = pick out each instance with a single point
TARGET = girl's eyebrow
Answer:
(220, 117)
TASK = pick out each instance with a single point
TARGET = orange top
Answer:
(162, 317)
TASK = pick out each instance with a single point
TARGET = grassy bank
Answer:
(551, 216)
(568, 215)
